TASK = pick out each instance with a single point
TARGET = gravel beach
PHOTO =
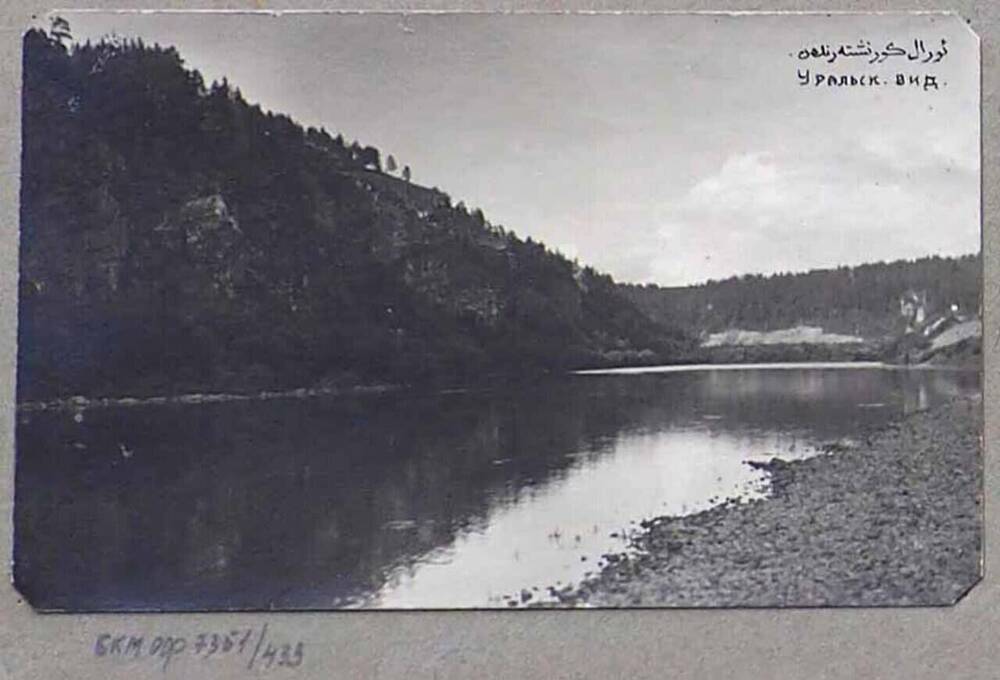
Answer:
(893, 520)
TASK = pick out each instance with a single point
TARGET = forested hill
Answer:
(862, 300)
(175, 237)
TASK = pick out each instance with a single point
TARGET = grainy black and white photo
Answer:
(469, 310)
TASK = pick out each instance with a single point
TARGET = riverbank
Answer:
(895, 519)
(968, 359)
(80, 402)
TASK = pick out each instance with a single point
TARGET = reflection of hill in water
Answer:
(301, 503)
(289, 502)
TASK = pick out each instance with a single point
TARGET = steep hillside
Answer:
(175, 237)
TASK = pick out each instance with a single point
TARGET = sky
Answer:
(667, 149)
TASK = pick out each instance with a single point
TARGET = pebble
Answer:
(891, 519)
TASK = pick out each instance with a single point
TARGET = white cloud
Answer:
(770, 211)
(743, 178)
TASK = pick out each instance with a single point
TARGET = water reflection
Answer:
(405, 500)
(557, 533)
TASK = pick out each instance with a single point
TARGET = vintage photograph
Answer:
(453, 310)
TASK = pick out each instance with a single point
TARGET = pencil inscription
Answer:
(255, 646)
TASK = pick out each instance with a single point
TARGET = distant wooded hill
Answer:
(864, 300)
(175, 237)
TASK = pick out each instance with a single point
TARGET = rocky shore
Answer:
(894, 520)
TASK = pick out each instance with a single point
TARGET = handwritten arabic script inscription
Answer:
(915, 54)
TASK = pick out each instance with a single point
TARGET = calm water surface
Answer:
(461, 499)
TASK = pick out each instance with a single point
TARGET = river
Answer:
(475, 498)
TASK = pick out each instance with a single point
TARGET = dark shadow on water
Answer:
(312, 503)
